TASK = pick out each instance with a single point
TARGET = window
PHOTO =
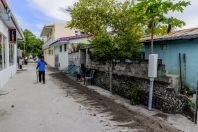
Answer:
(164, 46)
(61, 48)
(65, 47)
(82, 33)
(11, 54)
(76, 33)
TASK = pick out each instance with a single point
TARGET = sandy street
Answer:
(62, 105)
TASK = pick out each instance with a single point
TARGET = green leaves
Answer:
(157, 12)
(115, 32)
(31, 44)
(126, 21)
(92, 16)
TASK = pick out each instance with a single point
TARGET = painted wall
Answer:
(49, 57)
(63, 59)
(74, 58)
(59, 30)
(8, 71)
(169, 53)
(62, 31)
(82, 40)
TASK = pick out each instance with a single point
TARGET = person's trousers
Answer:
(42, 76)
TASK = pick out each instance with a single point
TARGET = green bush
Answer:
(188, 92)
(191, 104)
(135, 95)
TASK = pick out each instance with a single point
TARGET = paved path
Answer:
(62, 105)
(41, 108)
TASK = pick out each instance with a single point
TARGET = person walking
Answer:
(21, 63)
(41, 69)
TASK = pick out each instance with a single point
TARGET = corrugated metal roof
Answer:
(74, 37)
(64, 39)
(191, 33)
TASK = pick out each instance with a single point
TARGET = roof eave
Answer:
(13, 18)
(43, 32)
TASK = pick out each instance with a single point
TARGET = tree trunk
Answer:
(110, 76)
(152, 35)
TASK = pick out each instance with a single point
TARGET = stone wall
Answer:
(136, 68)
(127, 77)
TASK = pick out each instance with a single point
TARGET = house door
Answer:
(57, 61)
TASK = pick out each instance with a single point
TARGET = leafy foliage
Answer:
(99, 18)
(92, 16)
(135, 95)
(156, 15)
(31, 45)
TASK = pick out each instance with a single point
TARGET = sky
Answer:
(34, 14)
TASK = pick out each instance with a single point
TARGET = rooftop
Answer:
(12, 23)
(190, 33)
(66, 39)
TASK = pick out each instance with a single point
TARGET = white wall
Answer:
(8, 71)
(63, 57)
(74, 58)
(3, 28)
(62, 31)
(49, 58)
(6, 74)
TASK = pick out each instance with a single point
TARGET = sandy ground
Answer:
(31, 107)
(117, 116)
(62, 105)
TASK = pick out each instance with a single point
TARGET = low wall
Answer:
(125, 80)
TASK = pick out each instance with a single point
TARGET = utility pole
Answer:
(152, 73)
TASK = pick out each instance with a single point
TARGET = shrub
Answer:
(135, 95)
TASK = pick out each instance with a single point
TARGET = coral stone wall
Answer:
(127, 77)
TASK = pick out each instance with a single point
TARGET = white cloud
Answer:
(190, 15)
(52, 8)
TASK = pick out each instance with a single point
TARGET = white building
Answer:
(50, 34)
(9, 33)
(57, 38)
(67, 50)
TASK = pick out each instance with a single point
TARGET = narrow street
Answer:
(62, 105)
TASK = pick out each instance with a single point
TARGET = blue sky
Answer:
(34, 14)
(28, 17)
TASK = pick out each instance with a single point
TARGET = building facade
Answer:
(50, 34)
(67, 51)
(9, 33)
(179, 55)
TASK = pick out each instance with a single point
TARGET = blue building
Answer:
(179, 54)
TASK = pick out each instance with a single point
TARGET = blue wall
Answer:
(169, 53)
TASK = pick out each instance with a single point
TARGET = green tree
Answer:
(92, 16)
(115, 35)
(31, 45)
(155, 14)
